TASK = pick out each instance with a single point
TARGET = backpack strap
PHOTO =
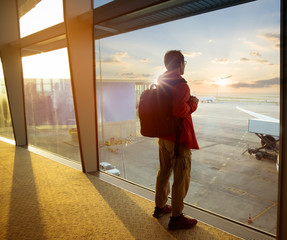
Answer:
(179, 121)
(177, 137)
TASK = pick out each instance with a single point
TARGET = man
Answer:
(182, 106)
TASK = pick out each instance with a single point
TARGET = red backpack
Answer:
(155, 110)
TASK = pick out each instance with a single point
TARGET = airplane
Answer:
(267, 129)
(206, 99)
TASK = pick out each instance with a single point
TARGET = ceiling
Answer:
(121, 16)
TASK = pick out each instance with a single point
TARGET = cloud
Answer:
(254, 45)
(244, 60)
(132, 75)
(273, 38)
(191, 54)
(196, 82)
(221, 60)
(144, 60)
(260, 61)
(128, 75)
(256, 60)
(258, 83)
(116, 58)
(203, 82)
(254, 53)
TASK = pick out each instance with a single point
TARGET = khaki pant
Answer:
(181, 167)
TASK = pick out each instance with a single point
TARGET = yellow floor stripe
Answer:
(260, 214)
(212, 180)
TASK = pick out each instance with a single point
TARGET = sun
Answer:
(223, 81)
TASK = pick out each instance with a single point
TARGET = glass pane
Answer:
(38, 15)
(99, 3)
(49, 104)
(233, 68)
(6, 129)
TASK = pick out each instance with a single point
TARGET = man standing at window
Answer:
(183, 105)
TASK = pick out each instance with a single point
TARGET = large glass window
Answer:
(49, 104)
(6, 129)
(37, 15)
(233, 67)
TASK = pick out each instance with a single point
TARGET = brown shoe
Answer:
(159, 212)
(181, 222)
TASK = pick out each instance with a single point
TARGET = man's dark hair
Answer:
(172, 59)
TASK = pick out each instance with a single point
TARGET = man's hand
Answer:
(193, 98)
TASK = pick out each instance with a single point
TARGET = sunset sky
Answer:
(234, 50)
(229, 51)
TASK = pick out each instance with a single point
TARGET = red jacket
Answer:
(182, 107)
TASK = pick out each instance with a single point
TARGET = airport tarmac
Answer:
(224, 179)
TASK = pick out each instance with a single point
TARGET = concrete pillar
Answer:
(12, 68)
(80, 42)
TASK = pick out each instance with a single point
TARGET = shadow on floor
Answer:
(136, 215)
(24, 213)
